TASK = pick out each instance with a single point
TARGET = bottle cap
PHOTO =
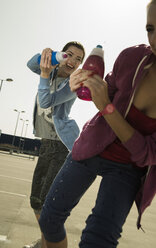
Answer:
(98, 50)
(64, 55)
(99, 46)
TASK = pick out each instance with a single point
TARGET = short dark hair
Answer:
(76, 44)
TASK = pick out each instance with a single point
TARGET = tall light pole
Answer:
(25, 133)
(22, 127)
(3, 80)
(16, 123)
(22, 133)
(26, 128)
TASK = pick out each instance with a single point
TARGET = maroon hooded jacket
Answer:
(129, 68)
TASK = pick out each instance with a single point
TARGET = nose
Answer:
(72, 60)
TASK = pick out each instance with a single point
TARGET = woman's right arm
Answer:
(33, 64)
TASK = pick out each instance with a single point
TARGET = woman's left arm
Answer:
(99, 91)
(47, 99)
(142, 148)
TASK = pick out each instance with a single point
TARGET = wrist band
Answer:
(109, 109)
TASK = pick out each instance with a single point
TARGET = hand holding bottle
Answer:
(95, 85)
(48, 61)
(45, 63)
(99, 91)
(94, 63)
(78, 77)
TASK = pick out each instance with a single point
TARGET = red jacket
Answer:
(129, 67)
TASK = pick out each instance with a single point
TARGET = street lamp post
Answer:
(26, 128)
(7, 80)
(22, 139)
(25, 134)
(16, 124)
(22, 127)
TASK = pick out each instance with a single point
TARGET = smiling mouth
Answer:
(70, 66)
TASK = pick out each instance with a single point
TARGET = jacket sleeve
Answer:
(33, 64)
(47, 99)
(142, 149)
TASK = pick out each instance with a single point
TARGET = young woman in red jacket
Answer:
(118, 144)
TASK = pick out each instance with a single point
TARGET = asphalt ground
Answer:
(18, 225)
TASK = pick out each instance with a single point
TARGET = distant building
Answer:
(21, 144)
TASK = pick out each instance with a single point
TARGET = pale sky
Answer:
(29, 26)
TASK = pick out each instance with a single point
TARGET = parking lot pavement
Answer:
(18, 225)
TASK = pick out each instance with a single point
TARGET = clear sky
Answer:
(28, 26)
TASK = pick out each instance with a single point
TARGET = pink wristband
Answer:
(109, 109)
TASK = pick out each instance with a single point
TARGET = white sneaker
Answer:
(35, 244)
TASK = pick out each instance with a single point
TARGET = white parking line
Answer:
(11, 193)
(14, 166)
(17, 178)
(3, 238)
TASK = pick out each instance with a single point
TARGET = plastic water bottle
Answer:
(56, 57)
(95, 63)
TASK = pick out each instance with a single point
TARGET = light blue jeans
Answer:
(117, 191)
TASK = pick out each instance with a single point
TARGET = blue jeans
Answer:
(117, 191)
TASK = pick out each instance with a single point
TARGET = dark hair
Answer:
(76, 44)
